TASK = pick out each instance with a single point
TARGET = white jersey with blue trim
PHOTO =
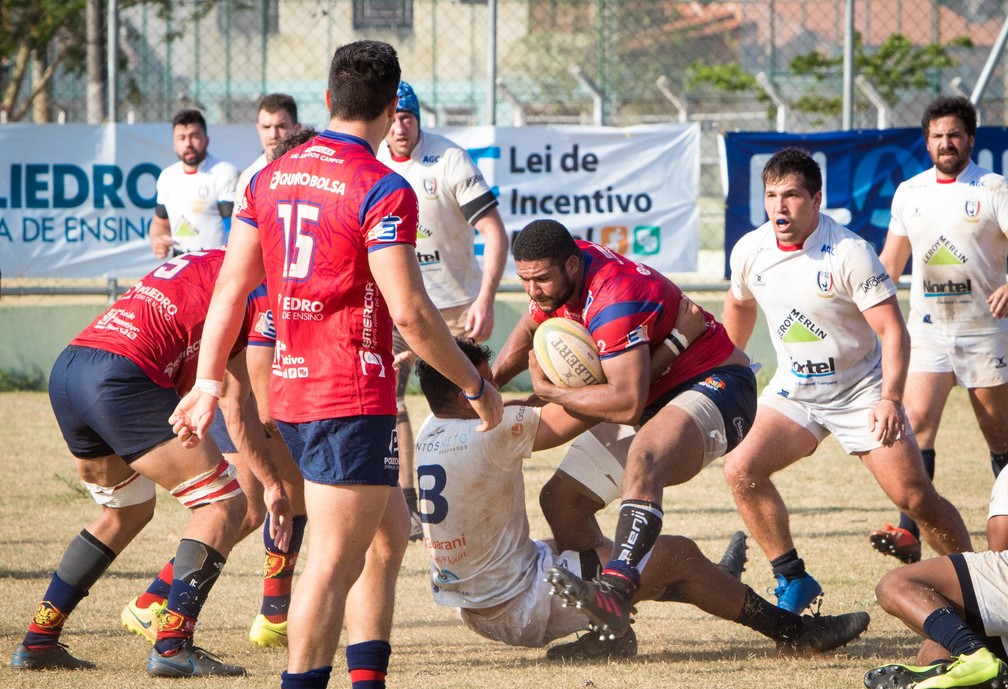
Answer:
(452, 195)
(192, 201)
(472, 501)
(957, 232)
(813, 297)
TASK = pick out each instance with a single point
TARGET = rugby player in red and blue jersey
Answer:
(112, 390)
(693, 412)
(334, 232)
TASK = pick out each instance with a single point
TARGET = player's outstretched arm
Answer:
(512, 358)
(397, 274)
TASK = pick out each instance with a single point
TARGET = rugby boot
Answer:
(980, 669)
(190, 661)
(53, 658)
(268, 634)
(896, 541)
(794, 595)
(142, 621)
(899, 676)
(821, 633)
(606, 601)
(590, 647)
(734, 559)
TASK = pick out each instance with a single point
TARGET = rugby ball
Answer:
(567, 354)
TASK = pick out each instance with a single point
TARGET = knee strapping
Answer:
(135, 490)
(220, 483)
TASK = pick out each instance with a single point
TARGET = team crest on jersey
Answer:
(371, 363)
(637, 335)
(824, 281)
(971, 210)
(430, 187)
(203, 192)
(264, 325)
(387, 230)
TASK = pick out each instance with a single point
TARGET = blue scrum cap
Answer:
(408, 101)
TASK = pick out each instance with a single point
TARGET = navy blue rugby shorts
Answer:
(731, 388)
(356, 450)
(105, 404)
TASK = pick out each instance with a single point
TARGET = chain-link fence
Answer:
(750, 64)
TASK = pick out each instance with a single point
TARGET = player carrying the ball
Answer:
(692, 413)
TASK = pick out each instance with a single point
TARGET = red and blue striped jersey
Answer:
(319, 211)
(625, 304)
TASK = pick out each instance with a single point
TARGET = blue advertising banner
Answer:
(861, 170)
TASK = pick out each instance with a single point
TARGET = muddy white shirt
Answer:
(813, 298)
(957, 234)
(192, 201)
(472, 502)
(452, 195)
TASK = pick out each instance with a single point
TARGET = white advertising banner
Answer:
(76, 200)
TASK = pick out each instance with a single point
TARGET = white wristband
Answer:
(210, 387)
(676, 341)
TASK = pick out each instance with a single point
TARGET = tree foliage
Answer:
(892, 68)
(53, 34)
(28, 28)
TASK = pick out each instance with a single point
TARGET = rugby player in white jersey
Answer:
(276, 117)
(828, 302)
(953, 218)
(195, 195)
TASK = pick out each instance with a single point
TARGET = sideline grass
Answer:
(834, 503)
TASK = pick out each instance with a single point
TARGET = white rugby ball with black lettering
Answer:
(567, 354)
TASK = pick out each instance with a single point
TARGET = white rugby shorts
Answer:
(533, 617)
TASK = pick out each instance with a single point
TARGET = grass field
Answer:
(834, 503)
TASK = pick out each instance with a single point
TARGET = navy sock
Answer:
(312, 679)
(197, 567)
(367, 663)
(60, 600)
(278, 571)
(906, 522)
(789, 565)
(84, 561)
(948, 629)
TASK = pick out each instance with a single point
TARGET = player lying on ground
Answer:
(472, 501)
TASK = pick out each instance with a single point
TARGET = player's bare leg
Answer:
(344, 520)
(900, 473)
(990, 405)
(371, 600)
(774, 443)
